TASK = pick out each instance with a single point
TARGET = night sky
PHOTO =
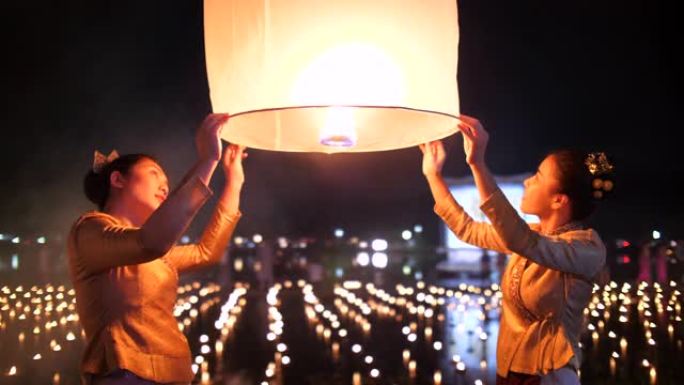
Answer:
(130, 75)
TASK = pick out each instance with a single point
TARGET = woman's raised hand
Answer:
(475, 139)
(433, 157)
(208, 137)
(232, 163)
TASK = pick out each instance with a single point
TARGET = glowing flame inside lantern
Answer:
(339, 129)
(344, 77)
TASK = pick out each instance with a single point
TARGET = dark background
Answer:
(130, 75)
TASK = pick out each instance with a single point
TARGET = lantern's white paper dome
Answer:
(333, 76)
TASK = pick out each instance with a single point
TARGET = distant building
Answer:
(462, 257)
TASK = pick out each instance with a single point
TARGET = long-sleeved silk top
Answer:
(546, 285)
(125, 295)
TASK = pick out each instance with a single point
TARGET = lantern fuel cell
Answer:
(333, 76)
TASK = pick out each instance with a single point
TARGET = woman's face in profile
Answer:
(145, 186)
(540, 189)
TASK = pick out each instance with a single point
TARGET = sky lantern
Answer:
(333, 76)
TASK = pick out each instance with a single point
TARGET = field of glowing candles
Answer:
(351, 332)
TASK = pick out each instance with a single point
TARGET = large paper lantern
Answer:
(333, 75)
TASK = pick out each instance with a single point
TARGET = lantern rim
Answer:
(231, 137)
(457, 117)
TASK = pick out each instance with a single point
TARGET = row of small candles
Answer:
(426, 314)
(48, 313)
(273, 373)
(225, 322)
(616, 303)
(329, 328)
(194, 300)
(428, 303)
(274, 369)
(356, 311)
(42, 320)
(47, 316)
(381, 310)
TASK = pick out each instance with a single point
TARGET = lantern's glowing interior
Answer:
(350, 75)
(347, 75)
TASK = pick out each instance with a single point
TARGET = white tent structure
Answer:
(462, 257)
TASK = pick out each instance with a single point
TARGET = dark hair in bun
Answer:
(96, 184)
(585, 178)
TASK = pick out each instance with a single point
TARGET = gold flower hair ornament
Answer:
(100, 160)
(598, 165)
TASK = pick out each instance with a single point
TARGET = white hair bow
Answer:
(101, 160)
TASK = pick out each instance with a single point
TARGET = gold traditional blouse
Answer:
(546, 285)
(125, 295)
